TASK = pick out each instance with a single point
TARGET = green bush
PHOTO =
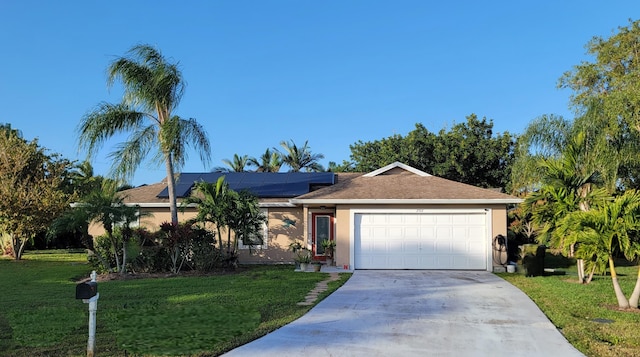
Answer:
(204, 256)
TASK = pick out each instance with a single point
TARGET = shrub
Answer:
(204, 256)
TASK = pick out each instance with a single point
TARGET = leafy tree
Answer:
(299, 158)
(6, 129)
(471, 154)
(603, 232)
(608, 86)
(370, 156)
(611, 79)
(153, 88)
(32, 191)
(270, 161)
(468, 153)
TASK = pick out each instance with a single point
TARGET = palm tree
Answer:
(300, 158)
(270, 161)
(213, 201)
(567, 185)
(247, 220)
(605, 230)
(106, 206)
(153, 88)
(238, 164)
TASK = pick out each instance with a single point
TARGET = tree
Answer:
(32, 191)
(82, 179)
(470, 152)
(238, 164)
(612, 79)
(153, 88)
(299, 158)
(247, 220)
(228, 210)
(270, 161)
(609, 86)
(604, 231)
(106, 206)
(213, 201)
(345, 166)
(568, 183)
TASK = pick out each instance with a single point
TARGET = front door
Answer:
(322, 229)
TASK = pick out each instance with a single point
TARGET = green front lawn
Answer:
(203, 315)
(587, 315)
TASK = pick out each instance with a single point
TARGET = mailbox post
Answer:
(88, 292)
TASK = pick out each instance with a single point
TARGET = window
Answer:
(257, 242)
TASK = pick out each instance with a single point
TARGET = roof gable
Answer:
(394, 169)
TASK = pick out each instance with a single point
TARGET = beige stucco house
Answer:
(396, 217)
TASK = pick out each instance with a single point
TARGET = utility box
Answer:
(86, 290)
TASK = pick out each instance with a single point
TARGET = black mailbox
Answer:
(86, 290)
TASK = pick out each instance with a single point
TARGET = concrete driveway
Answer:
(418, 313)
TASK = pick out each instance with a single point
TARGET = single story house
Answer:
(396, 217)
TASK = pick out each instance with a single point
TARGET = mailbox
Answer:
(86, 290)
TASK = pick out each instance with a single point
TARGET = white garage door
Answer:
(421, 241)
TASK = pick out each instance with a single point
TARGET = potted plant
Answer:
(329, 247)
(302, 255)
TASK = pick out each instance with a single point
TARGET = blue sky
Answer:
(330, 72)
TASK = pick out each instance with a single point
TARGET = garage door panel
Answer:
(420, 241)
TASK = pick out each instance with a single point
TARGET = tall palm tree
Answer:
(300, 158)
(270, 161)
(605, 230)
(153, 88)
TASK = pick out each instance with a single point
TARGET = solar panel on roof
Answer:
(261, 184)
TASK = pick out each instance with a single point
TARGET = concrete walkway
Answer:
(418, 313)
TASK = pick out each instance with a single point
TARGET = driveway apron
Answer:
(418, 313)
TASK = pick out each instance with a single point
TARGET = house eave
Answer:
(193, 205)
(405, 201)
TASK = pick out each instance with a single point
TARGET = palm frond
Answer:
(130, 154)
(104, 122)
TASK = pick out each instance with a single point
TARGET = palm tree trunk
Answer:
(579, 263)
(580, 266)
(171, 187)
(219, 238)
(633, 300)
(124, 257)
(114, 244)
(622, 300)
(590, 276)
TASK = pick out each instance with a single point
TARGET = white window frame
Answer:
(265, 234)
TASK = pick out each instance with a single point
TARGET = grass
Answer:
(587, 315)
(202, 316)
